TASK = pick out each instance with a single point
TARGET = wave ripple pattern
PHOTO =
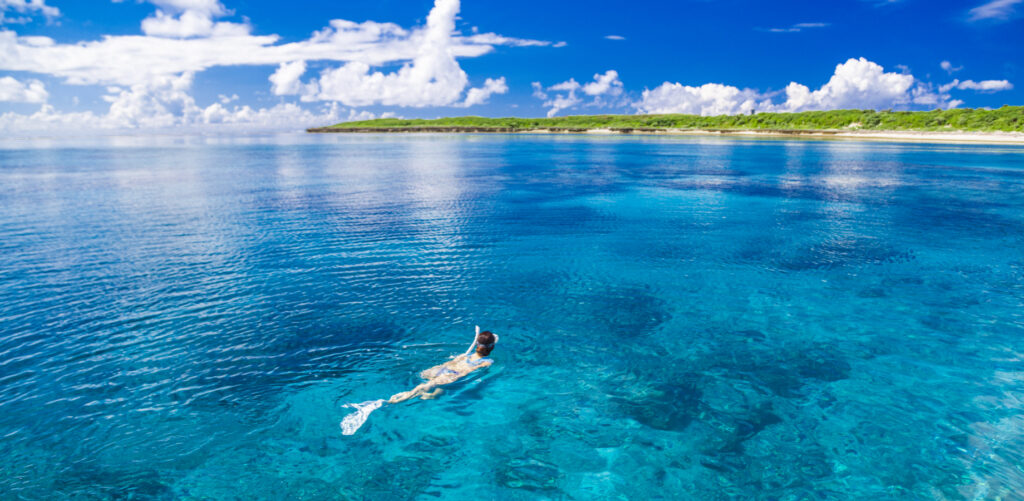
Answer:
(680, 318)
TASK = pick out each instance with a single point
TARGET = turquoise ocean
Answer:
(680, 318)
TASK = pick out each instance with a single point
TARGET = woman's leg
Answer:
(406, 395)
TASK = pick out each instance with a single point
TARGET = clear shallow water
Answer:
(711, 319)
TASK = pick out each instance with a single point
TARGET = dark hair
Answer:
(485, 343)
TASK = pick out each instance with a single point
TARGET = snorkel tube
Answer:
(472, 346)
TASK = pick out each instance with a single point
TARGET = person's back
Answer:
(452, 371)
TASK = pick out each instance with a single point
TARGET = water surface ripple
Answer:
(679, 318)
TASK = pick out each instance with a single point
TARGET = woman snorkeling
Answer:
(476, 357)
(453, 370)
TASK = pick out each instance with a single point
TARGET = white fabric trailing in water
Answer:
(353, 421)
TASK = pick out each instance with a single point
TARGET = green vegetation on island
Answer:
(1005, 119)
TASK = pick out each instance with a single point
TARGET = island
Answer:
(1002, 125)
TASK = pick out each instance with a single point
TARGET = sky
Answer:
(105, 65)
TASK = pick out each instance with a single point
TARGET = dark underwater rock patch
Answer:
(782, 372)
(531, 475)
(113, 484)
(751, 335)
(669, 406)
(747, 427)
(630, 312)
(787, 375)
(822, 365)
(607, 310)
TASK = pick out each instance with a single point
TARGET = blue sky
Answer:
(142, 64)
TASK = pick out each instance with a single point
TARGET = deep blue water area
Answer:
(680, 318)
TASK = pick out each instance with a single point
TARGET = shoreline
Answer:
(1012, 138)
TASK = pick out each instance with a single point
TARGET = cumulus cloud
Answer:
(130, 60)
(707, 99)
(27, 7)
(207, 7)
(999, 10)
(190, 18)
(15, 91)
(562, 102)
(148, 77)
(480, 95)
(857, 83)
(604, 86)
(607, 83)
(170, 108)
(190, 24)
(432, 78)
(287, 80)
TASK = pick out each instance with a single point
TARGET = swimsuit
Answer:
(470, 362)
(479, 361)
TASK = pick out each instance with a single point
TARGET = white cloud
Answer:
(287, 80)
(986, 85)
(982, 86)
(158, 115)
(281, 116)
(615, 37)
(130, 60)
(28, 7)
(570, 85)
(796, 28)
(538, 90)
(207, 7)
(495, 39)
(432, 78)
(607, 83)
(949, 68)
(157, 105)
(605, 86)
(190, 18)
(480, 95)
(190, 24)
(995, 9)
(562, 102)
(14, 91)
(857, 83)
(148, 77)
(707, 99)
